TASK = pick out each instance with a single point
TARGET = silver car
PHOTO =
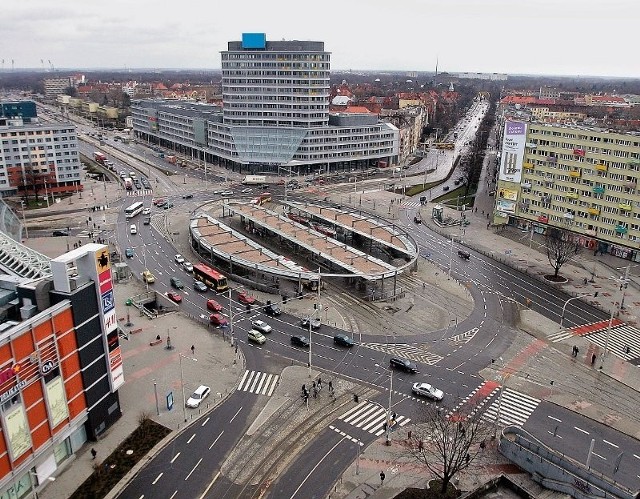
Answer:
(427, 390)
(261, 326)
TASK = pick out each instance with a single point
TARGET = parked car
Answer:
(188, 266)
(158, 202)
(214, 306)
(148, 277)
(343, 340)
(201, 393)
(218, 320)
(261, 326)
(179, 258)
(246, 190)
(256, 337)
(403, 364)
(57, 233)
(146, 211)
(426, 390)
(168, 205)
(187, 196)
(200, 286)
(464, 254)
(128, 252)
(300, 341)
(445, 188)
(315, 323)
(226, 193)
(246, 298)
(174, 297)
(176, 283)
(272, 310)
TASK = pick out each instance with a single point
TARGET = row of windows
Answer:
(274, 56)
(280, 83)
(24, 133)
(288, 73)
(577, 135)
(232, 65)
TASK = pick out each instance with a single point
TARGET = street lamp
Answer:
(388, 430)
(184, 400)
(564, 307)
(36, 482)
(623, 287)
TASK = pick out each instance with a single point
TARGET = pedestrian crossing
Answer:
(583, 330)
(258, 382)
(475, 401)
(139, 192)
(371, 417)
(511, 408)
(624, 341)
(561, 335)
(417, 353)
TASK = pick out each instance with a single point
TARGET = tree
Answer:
(560, 248)
(448, 444)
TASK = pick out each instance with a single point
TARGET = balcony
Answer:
(573, 195)
(527, 166)
(568, 216)
(621, 229)
(594, 211)
(543, 218)
(625, 207)
(575, 173)
(526, 185)
(631, 184)
(601, 168)
(578, 152)
(598, 190)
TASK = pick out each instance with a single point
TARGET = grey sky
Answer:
(564, 37)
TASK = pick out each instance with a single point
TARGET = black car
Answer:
(187, 196)
(343, 340)
(300, 341)
(60, 232)
(417, 219)
(272, 309)
(403, 364)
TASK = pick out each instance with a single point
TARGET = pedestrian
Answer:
(593, 358)
(315, 392)
(158, 337)
(382, 476)
(319, 383)
(314, 385)
(467, 458)
(236, 349)
(488, 224)
(476, 210)
(585, 281)
(94, 453)
(330, 387)
(304, 388)
(482, 211)
(482, 445)
(193, 349)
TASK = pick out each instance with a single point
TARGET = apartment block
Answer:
(578, 178)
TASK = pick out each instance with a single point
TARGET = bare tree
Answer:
(446, 444)
(560, 248)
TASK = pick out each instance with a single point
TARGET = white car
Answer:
(133, 229)
(188, 266)
(426, 390)
(246, 190)
(226, 193)
(146, 211)
(178, 258)
(261, 326)
(198, 396)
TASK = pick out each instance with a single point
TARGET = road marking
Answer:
(555, 419)
(217, 438)
(210, 485)
(175, 457)
(157, 478)
(636, 456)
(580, 429)
(205, 421)
(194, 468)
(234, 416)
(192, 437)
(610, 443)
(598, 455)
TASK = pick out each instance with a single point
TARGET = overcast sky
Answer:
(563, 37)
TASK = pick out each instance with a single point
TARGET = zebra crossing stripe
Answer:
(514, 407)
(258, 382)
(621, 339)
(352, 410)
(370, 417)
(559, 336)
(358, 416)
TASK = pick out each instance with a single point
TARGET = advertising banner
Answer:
(508, 194)
(56, 402)
(17, 431)
(515, 133)
(506, 206)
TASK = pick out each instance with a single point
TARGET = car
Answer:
(200, 286)
(226, 193)
(246, 190)
(133, 229)
(256, 337)
(57, 233)
(427, 390)
(445, 188)
(246, 298)
(188, 266)
(403, 364)
(218, 320)
(158, 202)
(214, 306)
(168, 205)
(148, 277)
(174, 297)
(300, 341)
(315, 323)
(261, 326)
(201, 393)
(417, 219)
(272, 309)
(457, 182)
(146, 211)
(187, 196)
(343, 340)
(128, 252)
(178, 258)
(176, 283)
(146, 221)
(464, 254)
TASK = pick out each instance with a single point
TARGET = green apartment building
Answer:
(577, 178)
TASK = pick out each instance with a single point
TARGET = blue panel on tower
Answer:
(254, 40)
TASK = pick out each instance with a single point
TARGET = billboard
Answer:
(254, 40)
(515, 134)
(505, 206)
(508, 194)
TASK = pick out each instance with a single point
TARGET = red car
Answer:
(214, 306)
(218, 320)
(246, 299)
(175, 297)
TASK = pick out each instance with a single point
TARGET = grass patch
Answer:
(108, 473)
(451, 197)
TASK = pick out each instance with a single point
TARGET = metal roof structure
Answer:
(17, 259)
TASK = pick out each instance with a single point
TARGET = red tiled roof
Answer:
(356, 109)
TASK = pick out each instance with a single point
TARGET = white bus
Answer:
(133, 210)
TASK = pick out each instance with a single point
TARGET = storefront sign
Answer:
(12, 391)
(47, 367)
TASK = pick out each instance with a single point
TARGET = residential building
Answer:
(577, 178)
(26, 110)
(35, 157)
(55, 86)
(60, 367)
(275, 114)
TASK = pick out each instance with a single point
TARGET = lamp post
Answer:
(36, 482)
(388, 427)
(24, 221)
(450, 258)
(155, 391)
(184, 400)
(623, 283)
(564, 307)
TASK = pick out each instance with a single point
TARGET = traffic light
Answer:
(355, 398)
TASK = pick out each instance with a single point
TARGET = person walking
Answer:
(94, 453)
(193, 349)
(593, 359)
(382, 477)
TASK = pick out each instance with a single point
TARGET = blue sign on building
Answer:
(254, 40)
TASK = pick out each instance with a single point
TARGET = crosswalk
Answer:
(624, 341)
(258, 382)
(371, 417)
(139, 192)
(512, 407)
(583, 330)
(417, 353)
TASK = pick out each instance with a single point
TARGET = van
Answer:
(464, 254)
(133, 229)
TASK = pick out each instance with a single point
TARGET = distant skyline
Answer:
(538, 37)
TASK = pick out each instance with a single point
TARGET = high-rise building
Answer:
(60, 366)
(35, 157)
(576, 178)
(275, 114)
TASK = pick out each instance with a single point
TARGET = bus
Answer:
(263, 198)
(212, 278)
(445, 145)
(133, 210)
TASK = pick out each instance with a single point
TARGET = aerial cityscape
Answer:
(273, 268)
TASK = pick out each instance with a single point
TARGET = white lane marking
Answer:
(234, 416)
(191, 438)
(610, 443)
(205, 421)
(555, 419)
(194, 468)
(157, 478)
(580, 429)
(175, 457)
(217, 438)
(210, 485)
(598, 455)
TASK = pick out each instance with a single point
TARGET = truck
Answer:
(254, 180)
(128, 183)
(99, 157)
